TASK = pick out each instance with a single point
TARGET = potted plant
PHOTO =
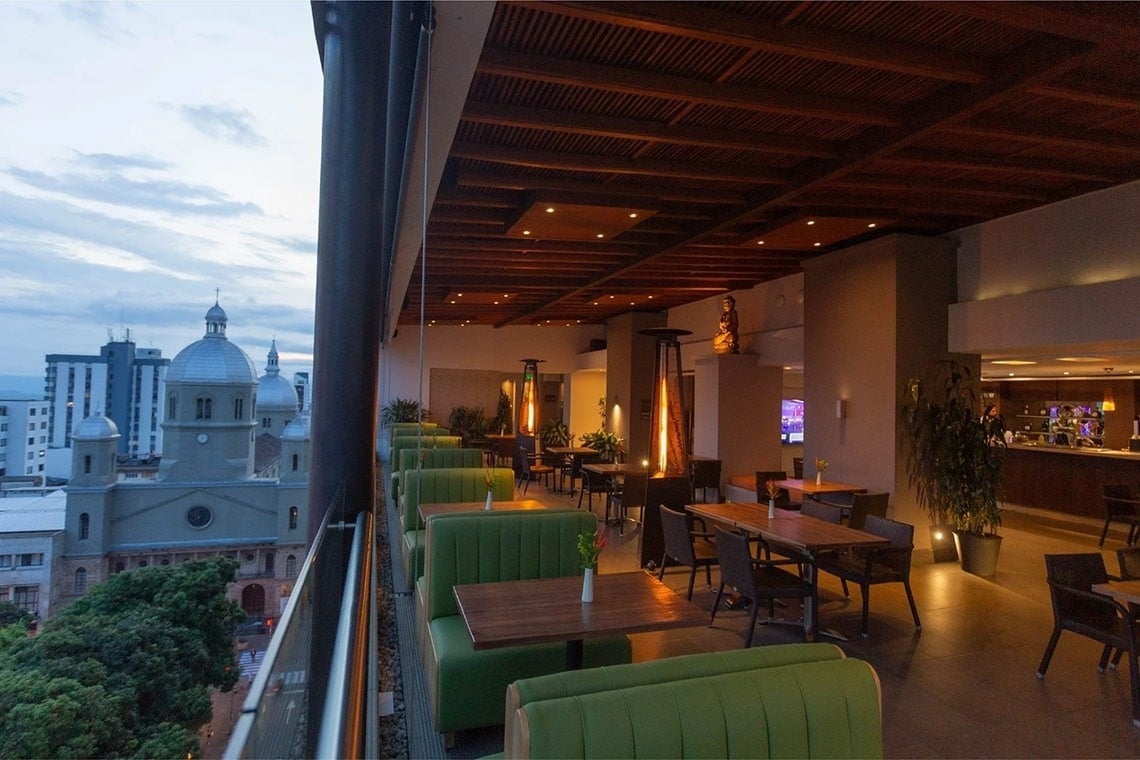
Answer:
(608, 445)
(956, 462)
(554, 433)
(469, 422)
(503, 421)
(402, 410)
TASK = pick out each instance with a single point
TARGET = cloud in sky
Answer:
(131, 185)
(222, 123)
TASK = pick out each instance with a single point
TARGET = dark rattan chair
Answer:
(1120, 506)
(783, 498)
(631, 495)
(1078, 609)
(686, 546)
(876, 564)
(528, 470)
(757, 580)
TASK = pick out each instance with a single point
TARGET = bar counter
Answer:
(1065, 479)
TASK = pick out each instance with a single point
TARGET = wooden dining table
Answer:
(571, 453)
(1125, 592)
(796, 533)
(451, 507)
(514, 613)
(816, 491)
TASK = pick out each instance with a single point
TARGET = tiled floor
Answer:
(964, 685)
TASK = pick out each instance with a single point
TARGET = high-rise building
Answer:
(123, 382)
(23, 437)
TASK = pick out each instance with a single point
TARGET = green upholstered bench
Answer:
(578, 682)
(467, 687)
(433, 459)
(414, 442)
(442, 484)
(823, 709)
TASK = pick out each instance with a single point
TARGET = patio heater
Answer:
(668, 444)
(528, 410)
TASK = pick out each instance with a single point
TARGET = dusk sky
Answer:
(151, 152)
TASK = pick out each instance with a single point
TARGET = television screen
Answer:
(792, 420)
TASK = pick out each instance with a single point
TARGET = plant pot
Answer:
(943, 543)
(979, 553)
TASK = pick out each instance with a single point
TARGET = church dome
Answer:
(213, 359)
(96, 427)
(297, 429)
(275, 393)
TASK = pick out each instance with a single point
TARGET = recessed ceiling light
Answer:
(550, 209)
(453, 300)
(496, 303)
(526, 232)
(506, 295)
(1081, 359)
(650, 298)
(611, 296)
(817, 245)
(599, 236)
(1012, 362)
(1066, 372)
(1011, 374)
(759, 242)
(633, 216)
(811, 222)
(595, 303)
(872, 226)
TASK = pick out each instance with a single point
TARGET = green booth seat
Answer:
(433, 459)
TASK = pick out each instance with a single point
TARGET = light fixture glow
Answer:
(817, 245)
(872, 226)
(550, 210)
(759, 242)
(811, 222)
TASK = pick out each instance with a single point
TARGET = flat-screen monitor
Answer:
(792, 420)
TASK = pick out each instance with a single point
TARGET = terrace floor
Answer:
(964, 685)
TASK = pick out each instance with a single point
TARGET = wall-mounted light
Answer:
(668, 444)
(1109, 403)
(840, 409)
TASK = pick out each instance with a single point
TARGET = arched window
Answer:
(239, 407)
(296, 462)
(84, 526)
(292, 518)
(290, 566)
(269, 563)
(81, 580)
(204, 409)
(87, 464)
(172, 408)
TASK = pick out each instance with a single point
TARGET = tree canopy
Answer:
(126, 670)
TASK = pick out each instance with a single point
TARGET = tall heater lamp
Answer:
(528, 410)
(668, 444)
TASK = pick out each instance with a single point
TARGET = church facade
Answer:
(223, 487)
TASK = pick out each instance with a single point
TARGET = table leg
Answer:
(812, 631)
(574, 654)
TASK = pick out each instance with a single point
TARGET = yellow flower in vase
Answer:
(773, 489)
(489, 480)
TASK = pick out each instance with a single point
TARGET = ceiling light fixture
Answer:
(550, 209)
(872, 226)
(759, 242)
(811, 222)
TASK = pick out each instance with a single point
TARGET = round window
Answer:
(199, 516)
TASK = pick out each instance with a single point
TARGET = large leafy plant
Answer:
(469, 422)
(610, 446)
(403, 410)
(554, 433)
(956, 459)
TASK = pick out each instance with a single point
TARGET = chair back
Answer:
(735, 560)
(633, 489)
(798, 468)
(1068, 573)
(783, 498)
(901, 536)
(678, 541)
(863, 504)
(1117, 498)
(1129, 560)
(821, 511)
(705, 473)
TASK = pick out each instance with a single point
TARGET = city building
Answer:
(220, 489)
(277, 398)
(124, 383)
(23, 439)
(31, 545)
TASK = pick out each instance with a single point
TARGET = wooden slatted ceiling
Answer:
(734, 121)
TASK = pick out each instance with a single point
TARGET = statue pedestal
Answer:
(736, 408)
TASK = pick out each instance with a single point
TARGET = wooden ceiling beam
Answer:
(1092, 94)
(620, 165)
(1100, 23)
(642, 130)
(711, 25)
(618, 193)
(945, 160)
(572, 73)
(912, 184)
(1080, 139)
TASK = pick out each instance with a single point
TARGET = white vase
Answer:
(771, 509)
(588, 585)
(819, 478)
(487, 506)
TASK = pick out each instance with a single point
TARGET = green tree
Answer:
(151, 641)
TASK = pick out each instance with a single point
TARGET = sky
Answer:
(151, 152)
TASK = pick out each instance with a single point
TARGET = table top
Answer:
(611, 468)
(570, 450)
(1125, 592)
(511, 613)
(500, 436)
(445, 508)
(810, 487)
(788, 528)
